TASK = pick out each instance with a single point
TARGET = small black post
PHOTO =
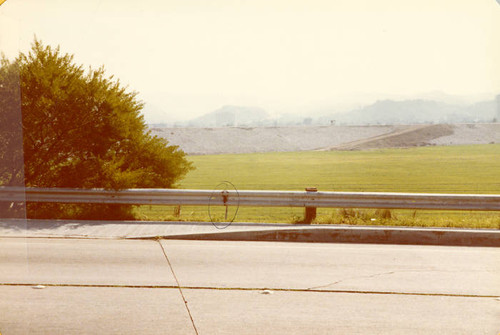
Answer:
(310, 212)
(225, 195)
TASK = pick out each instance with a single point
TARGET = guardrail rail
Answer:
(310, 199)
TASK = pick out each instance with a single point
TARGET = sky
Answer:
(186, 58)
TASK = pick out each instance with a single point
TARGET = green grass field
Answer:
(456, 169)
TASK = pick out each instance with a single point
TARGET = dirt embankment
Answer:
(203, 141)
(408, 136)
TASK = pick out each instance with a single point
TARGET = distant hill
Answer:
(382, 112)
(239, 116)
(416, 111)
(231, 116)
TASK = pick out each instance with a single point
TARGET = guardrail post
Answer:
(310, 212)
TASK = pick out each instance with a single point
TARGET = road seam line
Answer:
(214, 288)
(179, 287)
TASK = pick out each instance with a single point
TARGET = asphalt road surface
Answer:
(92, 286)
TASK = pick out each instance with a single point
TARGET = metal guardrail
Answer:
(483, 202)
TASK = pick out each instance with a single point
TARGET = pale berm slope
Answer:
(204, 141)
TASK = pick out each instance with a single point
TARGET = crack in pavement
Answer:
(358, 277)
(179, 287)
(215, 288)
(373, 276)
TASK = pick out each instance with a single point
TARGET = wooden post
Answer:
(310, 212)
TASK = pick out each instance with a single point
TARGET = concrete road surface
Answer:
(75, 286)
(325, 266)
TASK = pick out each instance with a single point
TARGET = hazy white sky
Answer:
(189, 57)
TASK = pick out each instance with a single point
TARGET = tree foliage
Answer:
(11, 140)
(82, 129)
(11, 154)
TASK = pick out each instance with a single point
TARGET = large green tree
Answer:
(83, 129)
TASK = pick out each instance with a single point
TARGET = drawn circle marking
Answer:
(226, 190)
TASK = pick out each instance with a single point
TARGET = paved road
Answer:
(213, 287)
